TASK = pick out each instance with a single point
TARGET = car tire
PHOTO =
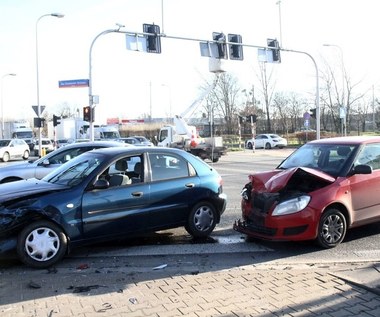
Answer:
(268, 146)
(202, 220)
(332, 228)
(41, 244)
(6, 157)
(249, 146)
(26, 155)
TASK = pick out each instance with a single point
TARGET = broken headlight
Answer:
(291, 206)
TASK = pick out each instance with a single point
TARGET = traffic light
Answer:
(252, 118)
(222, 47)
(313, 113)
(275, 49)
(39, 122)
(87, 116)
(153, 42)
(241, 119)
(236, 51)
(56, 120)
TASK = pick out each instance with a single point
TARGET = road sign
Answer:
(35, 108)
(73, 83)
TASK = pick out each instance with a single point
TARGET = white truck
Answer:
(106, 132)
(19, 130)
(78, 129)
(67, 129)
(185, 137)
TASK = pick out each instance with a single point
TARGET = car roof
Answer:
(138, 149)
(348, 140)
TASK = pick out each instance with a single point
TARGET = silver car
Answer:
(13, 149)
(41, 167)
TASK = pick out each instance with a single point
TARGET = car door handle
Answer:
(137, 194)
(190, 185)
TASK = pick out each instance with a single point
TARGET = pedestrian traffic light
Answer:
(220, 40)
(87, 115)
(56, 120)
(313, 113)
(153, 41)
(236, 51)
(274, 47)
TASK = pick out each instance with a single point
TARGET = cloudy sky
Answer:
(130, 84)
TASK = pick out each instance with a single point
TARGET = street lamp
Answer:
(2, 106)
(56, 15)
(344, 129)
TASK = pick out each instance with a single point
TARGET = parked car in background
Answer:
(266, 141)
(317, 193)
(46, 145)
(63, 142)
(137, 141)
(108, 194)
(129, 140)
(11, 149)
(41, 167)
(143, 140)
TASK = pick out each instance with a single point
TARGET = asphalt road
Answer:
(361, 244)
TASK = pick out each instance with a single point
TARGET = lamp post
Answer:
(344, 128)
(2, 105)
(56, 15)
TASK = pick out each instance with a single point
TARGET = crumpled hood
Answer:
(276, 180)
(24, 188)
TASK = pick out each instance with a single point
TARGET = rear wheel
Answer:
(268, 146)
(6, 157)
(332, 228)
(41, 244)
(202, 220)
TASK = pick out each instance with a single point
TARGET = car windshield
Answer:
(329, 158)
(76, 170)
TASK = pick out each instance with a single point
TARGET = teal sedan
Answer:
(107, 194)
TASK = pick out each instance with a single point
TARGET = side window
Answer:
(168, 167)
(124, 171)
(370, 155)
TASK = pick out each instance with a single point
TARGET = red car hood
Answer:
(276, 180)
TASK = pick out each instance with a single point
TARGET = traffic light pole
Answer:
(236, 44)
(317, 112)
(90, 96)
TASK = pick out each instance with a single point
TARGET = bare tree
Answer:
(223, 101)
(336, 97)
(288, 109)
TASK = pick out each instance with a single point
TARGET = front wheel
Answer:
(41, 244)
(268, 146)
(332, 228)
(202, 220)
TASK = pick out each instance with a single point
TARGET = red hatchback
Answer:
(317, 193)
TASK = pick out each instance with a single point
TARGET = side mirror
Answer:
(101, 184)
(362, 169)
(45, 163)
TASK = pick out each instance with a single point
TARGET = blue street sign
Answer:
(73, 83)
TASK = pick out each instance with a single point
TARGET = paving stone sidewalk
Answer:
(168, 290)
